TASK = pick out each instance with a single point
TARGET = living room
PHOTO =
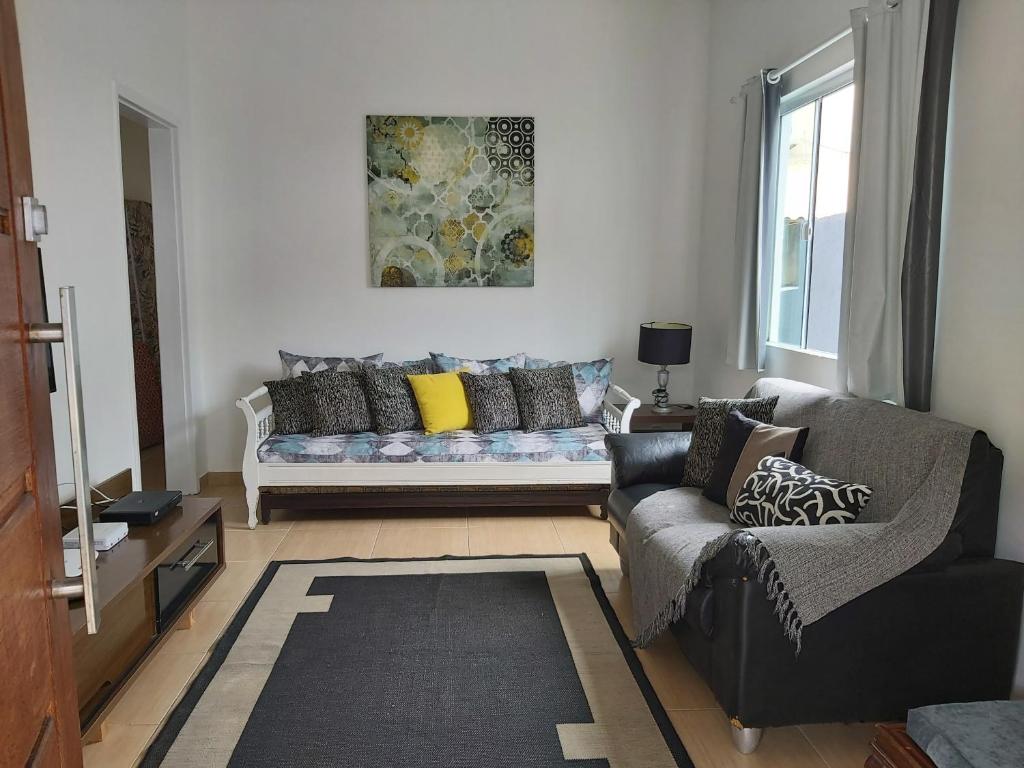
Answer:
(650, 209)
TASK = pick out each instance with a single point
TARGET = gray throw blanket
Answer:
(913, 462)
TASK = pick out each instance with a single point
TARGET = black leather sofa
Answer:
(945, 631)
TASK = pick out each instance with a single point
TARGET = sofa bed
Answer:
(410, 468)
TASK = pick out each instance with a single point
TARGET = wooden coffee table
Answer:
(893, 748)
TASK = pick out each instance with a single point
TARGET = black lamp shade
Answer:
(665, 343)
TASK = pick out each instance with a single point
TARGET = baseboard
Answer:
(220, 479)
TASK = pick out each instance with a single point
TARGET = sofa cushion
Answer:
(647, 457)
(492, 401)
(392, 400)
(448, 363)
(338, 403)
(983, 734)
(442, 402)
(293, 366)
(709, 428)
(745, 443)
(546, 398)
(782, 492)
(290, 400)
(584, 443)
(592, 379)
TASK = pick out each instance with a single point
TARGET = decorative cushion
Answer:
(442, 401)
(592, 380)
(546, 398)
(709, 427)
(447, 363)
(293, 414)
(428, 362)
(745, 443)
(293, 366)
(782, 492)
(492, 401)
(391, 398)
(338, 402)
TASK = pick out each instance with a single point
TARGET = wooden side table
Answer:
(681, 419)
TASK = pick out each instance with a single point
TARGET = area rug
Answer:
(460, 662)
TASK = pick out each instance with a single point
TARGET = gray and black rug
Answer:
(461, 662)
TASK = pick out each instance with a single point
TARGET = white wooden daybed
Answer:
(412, 469)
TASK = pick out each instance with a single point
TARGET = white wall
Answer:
(978, 367)
(74, 55)
(978, 363)
(135, 160)
(280, 92)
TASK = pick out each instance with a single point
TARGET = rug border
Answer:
(171, 727)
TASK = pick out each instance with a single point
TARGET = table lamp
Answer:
(664, 344)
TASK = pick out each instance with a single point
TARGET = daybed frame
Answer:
(418, 484)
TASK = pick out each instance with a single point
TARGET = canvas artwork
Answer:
(450, 200)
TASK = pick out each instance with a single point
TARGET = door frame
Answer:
(172, 305)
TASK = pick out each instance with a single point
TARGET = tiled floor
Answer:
(691, 706)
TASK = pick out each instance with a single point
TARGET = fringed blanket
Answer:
(915, 464)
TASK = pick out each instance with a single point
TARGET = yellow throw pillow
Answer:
(442, 402)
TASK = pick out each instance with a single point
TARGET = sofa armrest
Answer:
(259, 424)
(649, 457)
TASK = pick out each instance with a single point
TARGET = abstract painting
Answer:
(450, 200)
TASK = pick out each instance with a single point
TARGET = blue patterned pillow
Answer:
(592, 381)
(447, 363)
(293, 366)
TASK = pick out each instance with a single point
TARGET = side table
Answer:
(645, 419)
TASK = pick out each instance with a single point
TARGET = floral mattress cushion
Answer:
(584, 443)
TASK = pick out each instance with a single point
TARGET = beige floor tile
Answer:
(426, 518)
(705, 734)
(235, 581)
(841, 745)
(156, 689)
(354, 538)
(319, 521)
(122, 746)
(421, 542)
(514, 536)
(209, 620)
(252, 545)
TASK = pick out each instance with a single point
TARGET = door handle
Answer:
(66, 332)
(196, 551)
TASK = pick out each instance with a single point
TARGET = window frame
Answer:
(813, 92)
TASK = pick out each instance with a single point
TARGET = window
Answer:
(814, 170)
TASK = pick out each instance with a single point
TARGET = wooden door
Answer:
(38, 704)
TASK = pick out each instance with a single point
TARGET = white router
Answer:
(105, 535)
(73, 562)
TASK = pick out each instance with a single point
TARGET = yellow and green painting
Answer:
(451, 200)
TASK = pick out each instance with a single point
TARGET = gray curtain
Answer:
(755, 234)
(920, 279)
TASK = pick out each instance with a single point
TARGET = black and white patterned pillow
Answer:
(782, 492)
(293, 366)
(492, 401)
(392, 401)
(546, 398)
(338, 402)
(293, 414)
(709, 429)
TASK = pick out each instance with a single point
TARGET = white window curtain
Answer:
(755, 233)
(889, 46)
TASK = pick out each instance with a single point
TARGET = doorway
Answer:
(155, 279)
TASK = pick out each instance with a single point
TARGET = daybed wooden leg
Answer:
(264, 509)
(252, 499)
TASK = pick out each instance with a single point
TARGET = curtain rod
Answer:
(775, 75)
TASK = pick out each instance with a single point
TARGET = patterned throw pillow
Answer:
(492, 400)
(448, 364)
(592, 380)
(339, 403)
(781, 492)
(709, 428)
(546, 398)
(746, 442)
(391, 398)
(293, 366)
(293, 414)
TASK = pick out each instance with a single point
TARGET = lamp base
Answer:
(662, 409)
(661, 393)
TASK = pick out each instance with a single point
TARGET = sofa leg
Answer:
(252, 501)
(264, 510)
(746, 739)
